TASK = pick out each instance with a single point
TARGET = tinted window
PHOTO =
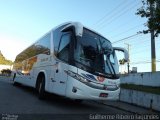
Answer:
(95, 53)
(90, 45)
(29, 52)
(56, 37)
(43, 45)
(63, 51)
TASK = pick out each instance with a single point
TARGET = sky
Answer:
(22, 22)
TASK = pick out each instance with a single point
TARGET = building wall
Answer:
(147, 79)
(147, 100)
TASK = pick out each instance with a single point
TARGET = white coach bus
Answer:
(72, 61)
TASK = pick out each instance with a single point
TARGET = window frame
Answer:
(70, 46)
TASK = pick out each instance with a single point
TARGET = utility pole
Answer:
(153, 53)
(128, 48)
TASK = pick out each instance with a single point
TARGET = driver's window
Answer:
(63, 51)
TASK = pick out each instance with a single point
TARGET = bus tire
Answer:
(41, 87)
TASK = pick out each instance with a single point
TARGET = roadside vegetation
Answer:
(148, 89)
(6, 72)
(4, 61)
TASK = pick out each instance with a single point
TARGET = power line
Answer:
(143, 62)
(134, 58)
(132, 40)
(121, 26)
(126, 11)
(127, 30)
(114, 17)
(111, 14)
(138, 52)
(145, 41)
(125, 38)
(143, 48)
(140, 45)
(111, 11)
(141, 38)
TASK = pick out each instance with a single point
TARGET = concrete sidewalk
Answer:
(129, 107)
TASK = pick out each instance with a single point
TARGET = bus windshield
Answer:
(95, 54)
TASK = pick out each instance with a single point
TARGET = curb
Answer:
(117, 107)
(128, 110)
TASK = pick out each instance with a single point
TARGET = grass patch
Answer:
(148, 89)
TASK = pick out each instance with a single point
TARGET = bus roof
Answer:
(66, 23)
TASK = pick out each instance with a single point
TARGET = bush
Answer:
(6, 72)
(148, 89)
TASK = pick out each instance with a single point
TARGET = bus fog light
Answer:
(74, 89)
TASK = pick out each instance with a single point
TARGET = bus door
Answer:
(60, 78)
(62, 63)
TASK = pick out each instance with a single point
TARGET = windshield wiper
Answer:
(114, 73)
(111, 67)
(83, 66)
(108, 66)
(92, 70)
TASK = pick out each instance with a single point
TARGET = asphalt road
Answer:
(19, 102)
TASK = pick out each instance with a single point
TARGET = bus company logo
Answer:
(89, 77)
(100, 79)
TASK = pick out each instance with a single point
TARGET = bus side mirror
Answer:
(126, 55)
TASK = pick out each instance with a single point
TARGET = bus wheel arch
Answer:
(40, 85)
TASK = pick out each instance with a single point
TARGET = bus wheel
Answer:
(41, 87)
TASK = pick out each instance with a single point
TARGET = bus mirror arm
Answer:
(126, 55)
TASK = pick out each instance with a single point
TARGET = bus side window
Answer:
(63, 51)
(56, 38)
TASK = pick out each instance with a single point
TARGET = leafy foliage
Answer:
(148, 89)
(6, 72)
(4, 61)
(151, 8)
(122, 61)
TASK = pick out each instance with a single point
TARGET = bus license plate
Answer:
(103, 94)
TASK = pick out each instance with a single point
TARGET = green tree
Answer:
(6, 72)
(151, 11)
(2, 58)
(4, 61)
